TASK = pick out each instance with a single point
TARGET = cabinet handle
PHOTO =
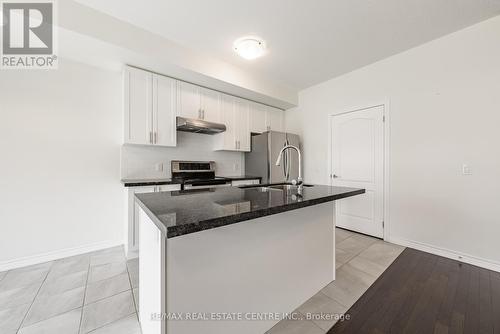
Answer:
(203, 114)
(236, 144)
(268, 128)
(151, 137)
(156, 137)
(199, 113)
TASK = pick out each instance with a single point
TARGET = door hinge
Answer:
(383, 223)
(383, 118)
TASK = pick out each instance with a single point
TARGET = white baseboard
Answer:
(466, 258)
(55, 255)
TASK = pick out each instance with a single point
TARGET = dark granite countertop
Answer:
(243, 177)
(147, 182)
(159, 182)
(178, 213)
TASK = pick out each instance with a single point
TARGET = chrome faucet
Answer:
(297, 182)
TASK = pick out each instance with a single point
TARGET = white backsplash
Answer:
(142, 161)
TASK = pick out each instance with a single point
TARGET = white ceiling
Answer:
(308, 41)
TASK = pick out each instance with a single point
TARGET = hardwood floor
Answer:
(424, 293)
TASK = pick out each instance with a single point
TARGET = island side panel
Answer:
(270, 264)
(151, 275)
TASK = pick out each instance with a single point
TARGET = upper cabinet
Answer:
(198, 102)
(274, 119)
(164, 111)
(258, 117)
(235, 115)
(188, 100)
(152, 103)
(210, 104)
(138, 86)
(149, 108)
(265, 118)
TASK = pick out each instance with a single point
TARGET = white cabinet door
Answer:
(274, 119)
(226, 141)
(164, 111)
(242, 125)
(138, 106)
(188, 100)
(133, 213)
(210, 105)
(258, 117)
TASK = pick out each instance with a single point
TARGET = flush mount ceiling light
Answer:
(249, 47)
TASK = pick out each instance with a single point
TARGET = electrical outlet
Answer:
(159, 167)
(466, 170)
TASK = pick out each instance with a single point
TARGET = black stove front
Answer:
(197, 174)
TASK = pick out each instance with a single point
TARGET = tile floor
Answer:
(90, 293)
(360, 261)
(97, 292)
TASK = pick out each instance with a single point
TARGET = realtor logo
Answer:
(28, 35)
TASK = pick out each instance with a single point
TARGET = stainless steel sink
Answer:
(264, 189)
(276, 187)
(289, 186)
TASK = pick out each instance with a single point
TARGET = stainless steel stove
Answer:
(197, 175)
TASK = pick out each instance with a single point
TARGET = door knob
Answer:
(335, 176)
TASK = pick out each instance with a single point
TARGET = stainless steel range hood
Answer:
(199, 126)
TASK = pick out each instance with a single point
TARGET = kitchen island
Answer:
(233, 260)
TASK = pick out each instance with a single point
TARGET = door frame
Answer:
(386, 161)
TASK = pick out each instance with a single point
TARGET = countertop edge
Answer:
(205, 225)
(141, 183)
(152, 216)
(128, 184)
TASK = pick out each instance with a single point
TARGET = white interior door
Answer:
(358, 161)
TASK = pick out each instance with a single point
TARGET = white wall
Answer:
(445, 110)
(140, 161)
(60, 137)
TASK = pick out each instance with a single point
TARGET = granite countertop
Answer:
(178, 213)
(158, 182)
(243, 177)
(147, 182)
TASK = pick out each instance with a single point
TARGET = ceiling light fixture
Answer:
(249, 47)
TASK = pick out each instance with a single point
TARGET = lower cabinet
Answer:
(132, 225)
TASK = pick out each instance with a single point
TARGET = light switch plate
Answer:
(466, 170)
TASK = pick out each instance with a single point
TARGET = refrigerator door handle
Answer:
(285, 162)
(288, 161)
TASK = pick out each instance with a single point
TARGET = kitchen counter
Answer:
(147, 182)
(239, 250)
(179, 213)
(242, 177)
(159, 182)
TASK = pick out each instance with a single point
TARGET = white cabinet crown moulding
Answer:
(153, 101)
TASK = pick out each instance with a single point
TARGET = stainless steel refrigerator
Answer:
(261, 160)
